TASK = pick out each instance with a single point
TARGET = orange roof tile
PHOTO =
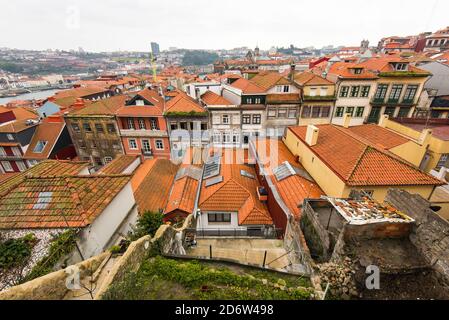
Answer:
(247, 86)
(183, 103)
(80, 92)
(269, 79)
(106, 106)
(381, 137)
(155, 108)
(118, 165)
(236, 193)
(211, 98)
(152, 193)
(358, 163)
(47, 132)
(22, 114)
(307, 78)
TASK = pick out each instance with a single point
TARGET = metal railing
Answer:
(266, 234)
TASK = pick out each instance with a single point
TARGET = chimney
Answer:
(425, 136)
(291, 75)
(79, 104)
(383, 120)
(346, 120)
(312, 135)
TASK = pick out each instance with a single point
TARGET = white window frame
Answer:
(146, 143)
(141, 122)
(134, 142)
(7, 166)
(156, 144)
(2, 152)
(107, 159)
(21, 165)
(223, 117)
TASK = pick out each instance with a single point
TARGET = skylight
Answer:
(40, 145)
(283, 171)
(212, 181)
(212, 167)
(247, 174)
(43, 200)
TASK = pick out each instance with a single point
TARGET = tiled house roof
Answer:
(153, 190)
(48, 132)
(58, 202)
(294, 188)
(307, 78)
(184, 190)
(358, 163)
(379, 136)
(46, 168)
(269, 79)
(211, 98)
(247, 87)
(106, 106)
(118, 165)
(236, 193)
(155, 107)
(183, 103)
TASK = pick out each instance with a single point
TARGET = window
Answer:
(132, 144)
(142, 125)
(226, 137)
(87, 127)
(381, 91)
(355, 91)
(219, 217)
(444, 157)
(107, 160)
(312, 92)
(183, 125)
(32, 163)
(350, 111)
(2, 151)
(400, 66)
(75, 127)
(286, 89)
(344, 91)
(323, 91)
(225, 119)
(365, 91)
(236, 137)
(271, 113)
(339, 112)
(325, 111)
(154, 124)
(111, 127)
(10, 137)
(7, 166)
(257, 119)
(21, 165)
(278, 88)
(99, 127)
(257, 100)
(249, 100)
(159, 145)
(216, 137)
(40, 145)
(316, 112)
(410, 93)
(246, 119)
(292, 113)
(282, 113)
(140, 102)
(146, 146)
(395, 92)
(403, 112)
(358, 70)
(203, 126)
(16, 151)
(389, 111)
(131, 123)
(306, 110)
(173, 125)
(359, 112)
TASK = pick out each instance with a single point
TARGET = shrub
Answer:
(16, 252)
(147, 224)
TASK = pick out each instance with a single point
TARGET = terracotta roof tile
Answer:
(269, 79)
(358, 163)
(211, 98)
(307, 78)
(47, 132)
(247, 86)
(379, 136)
(183, 103)
(118, 165)
(106, 106)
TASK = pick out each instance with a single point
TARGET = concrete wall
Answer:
(431, 233)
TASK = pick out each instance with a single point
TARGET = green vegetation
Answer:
(147, 224)
(186, 114)
(61, 246)
(199, 58)
(403, 74)
(10, 67)
(163, 278)
(16, 252)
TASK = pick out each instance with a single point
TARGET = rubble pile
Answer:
(340, 276)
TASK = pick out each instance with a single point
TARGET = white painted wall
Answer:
(95, 238)
(130, 169)
(232, 94)
(203, 223)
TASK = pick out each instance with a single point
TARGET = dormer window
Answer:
(358, 70)
(400, 66)
(140, 102)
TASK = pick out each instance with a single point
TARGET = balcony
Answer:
(146, 152)
(378, 101)
(319, 98)
(143, 133)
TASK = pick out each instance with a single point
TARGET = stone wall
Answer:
(51, 286)
(138, 250)
(431, 232)
(379, 230)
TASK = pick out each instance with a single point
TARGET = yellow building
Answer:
(340, 161)
(318, 98)
(433, 134)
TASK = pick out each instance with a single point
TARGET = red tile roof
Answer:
(47, 132)
(247, 87)
(153, 191)
(235, 193)
(211, 98)
(381, 137)
(80, 92)
(183, 103)
(106, 106)
(154, 110)
(58, 202)
(118, 165)
(22, 114)
(358, 163)
(308, 78)
(293, 189)
(269, 79)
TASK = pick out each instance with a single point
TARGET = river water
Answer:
(29, 96)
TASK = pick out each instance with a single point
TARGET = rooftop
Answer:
(106, 106)
(211, 98)
(247, 87)
(118, 165)
(308, 78)
(268, 79)
(379, 136)
(359, 163)
(184, 104)
(44, 140)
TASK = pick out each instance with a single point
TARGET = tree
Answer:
(147, 224)
(198, 57)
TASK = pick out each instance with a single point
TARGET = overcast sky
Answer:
(106, 25)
